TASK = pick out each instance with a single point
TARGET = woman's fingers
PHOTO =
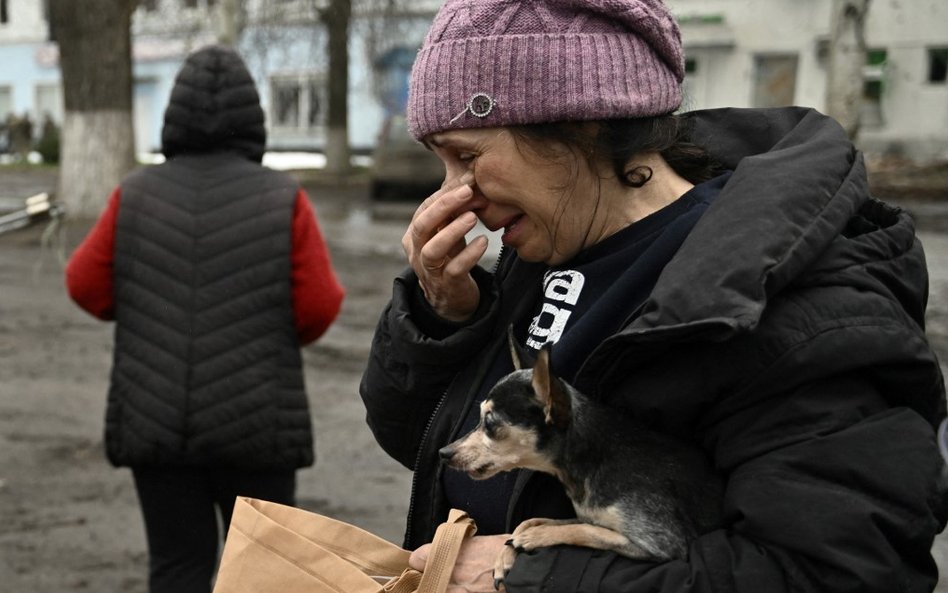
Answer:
(462, 263)
(428, 222)
(419, 557)
(438, 233)
(447, 242)
(473, 570)
(431, 217)
(449, 185)
(439, 253)
(450, 289)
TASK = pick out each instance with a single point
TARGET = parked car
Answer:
(403, 168)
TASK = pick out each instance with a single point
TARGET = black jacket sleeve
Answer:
(413, 359)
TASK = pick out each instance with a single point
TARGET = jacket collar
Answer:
(797, 182)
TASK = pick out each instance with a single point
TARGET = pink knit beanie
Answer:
(492, 63)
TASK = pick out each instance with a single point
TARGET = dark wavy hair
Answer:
(619, 140)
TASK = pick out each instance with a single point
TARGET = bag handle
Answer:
(444, 551)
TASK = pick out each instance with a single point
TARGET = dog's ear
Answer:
(521, 356)
(551, 391)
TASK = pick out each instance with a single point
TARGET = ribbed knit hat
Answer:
(491, 63)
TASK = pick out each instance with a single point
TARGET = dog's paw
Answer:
(539, 533)
(524, 538)
(529, 523)
(504, 563)
(531, 538)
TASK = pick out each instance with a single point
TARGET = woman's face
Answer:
(549, 206)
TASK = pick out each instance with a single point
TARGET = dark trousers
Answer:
(180, 507)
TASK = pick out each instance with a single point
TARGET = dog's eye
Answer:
(489, 422)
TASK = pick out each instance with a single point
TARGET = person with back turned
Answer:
(215, 272)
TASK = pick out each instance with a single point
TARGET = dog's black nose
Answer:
(446, 453)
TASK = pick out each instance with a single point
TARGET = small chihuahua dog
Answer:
(636, 492)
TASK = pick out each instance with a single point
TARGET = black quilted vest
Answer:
(207, 369)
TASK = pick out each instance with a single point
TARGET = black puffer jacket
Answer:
(207, 369)
(786, 338)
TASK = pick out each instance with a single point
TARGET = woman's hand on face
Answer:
(474, 568)
(439, 254)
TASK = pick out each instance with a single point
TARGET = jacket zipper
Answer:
(500, 257)
(424, 436)
(418, 457)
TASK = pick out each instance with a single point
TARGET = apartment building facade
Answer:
(744, 53)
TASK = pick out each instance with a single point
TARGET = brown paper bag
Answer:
(273, 548)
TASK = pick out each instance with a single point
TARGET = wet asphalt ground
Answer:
(70, 522)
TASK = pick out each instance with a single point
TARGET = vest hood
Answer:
(214, 106)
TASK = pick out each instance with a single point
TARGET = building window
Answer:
(6, 103)
(296, 102)
(4, 15)
(775, 80)
(693, 84)
(49, 103)
(6, 114)
(938, 65)
(873, 87)
(286, 104)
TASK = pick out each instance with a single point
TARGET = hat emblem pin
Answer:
(479, 105)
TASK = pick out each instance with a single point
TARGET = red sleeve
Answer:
(317, 293)
(89, 271)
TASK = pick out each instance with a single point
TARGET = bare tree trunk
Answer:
(230, 21)
(95, 59)
(847, 58)
(337, 17)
